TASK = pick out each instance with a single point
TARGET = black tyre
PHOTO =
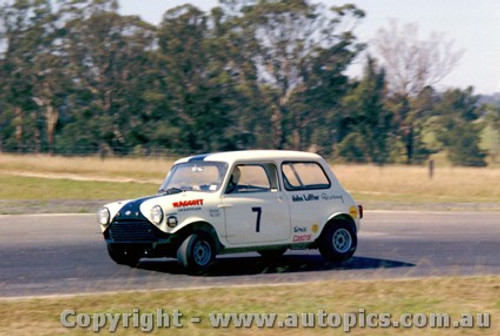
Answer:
(272, 254)
(196, 253)
(338, 241)
(122, 256)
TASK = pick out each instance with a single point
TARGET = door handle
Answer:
(221, 206)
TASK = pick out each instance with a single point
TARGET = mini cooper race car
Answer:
(267, 201)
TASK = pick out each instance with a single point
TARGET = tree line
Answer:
(248, 74)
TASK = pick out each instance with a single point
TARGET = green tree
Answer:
(26, 38)
(252, 102)
(197, 78)
(413, 65)
(492, 116)
(299, 51)
(411, 116)
(109, 56)
(51, 83)
(367, 117)
(459, 127)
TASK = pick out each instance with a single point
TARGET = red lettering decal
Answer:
(187, 203)
(301, 238)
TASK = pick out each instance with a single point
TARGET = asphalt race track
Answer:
(66, 254)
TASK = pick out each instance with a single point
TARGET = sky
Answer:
(474, 26)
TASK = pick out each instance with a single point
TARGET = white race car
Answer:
(257, 200)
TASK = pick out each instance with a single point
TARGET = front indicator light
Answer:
(172, 221)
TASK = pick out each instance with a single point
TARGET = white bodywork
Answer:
(276, 217)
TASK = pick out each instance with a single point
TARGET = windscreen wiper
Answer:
(170, 191)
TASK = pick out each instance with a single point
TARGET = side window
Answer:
(304, 176)
(247, 178)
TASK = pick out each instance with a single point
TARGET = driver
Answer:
(233, 181)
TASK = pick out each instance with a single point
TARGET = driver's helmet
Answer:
(235, 176)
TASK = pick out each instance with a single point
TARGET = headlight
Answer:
(103, 216)
(156, 214)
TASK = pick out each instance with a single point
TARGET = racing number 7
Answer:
(258, 210)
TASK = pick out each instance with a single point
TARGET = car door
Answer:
(312, 199)
(256, 211)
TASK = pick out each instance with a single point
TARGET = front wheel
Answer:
(339, 241)
(196, 253)
(122, 256)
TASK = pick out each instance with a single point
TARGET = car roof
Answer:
(257, 155)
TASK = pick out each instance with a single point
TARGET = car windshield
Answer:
(194, 176)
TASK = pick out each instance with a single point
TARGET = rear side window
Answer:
(304, 176)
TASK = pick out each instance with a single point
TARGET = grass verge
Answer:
(51, 179)
(453, 296)
(116, 168)
(412, 183)
(20, 195)
(30, 188)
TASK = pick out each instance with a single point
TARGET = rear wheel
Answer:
(339, 241)
(196, 253)
(122, 256)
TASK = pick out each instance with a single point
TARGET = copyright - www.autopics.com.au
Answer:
(361, 319)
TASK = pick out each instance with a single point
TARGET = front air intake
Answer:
(132, 231)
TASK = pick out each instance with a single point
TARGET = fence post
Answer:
(431, 169)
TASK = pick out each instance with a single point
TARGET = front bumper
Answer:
(140, 237)
(135, 230)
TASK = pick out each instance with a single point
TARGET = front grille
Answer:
(136, 230)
